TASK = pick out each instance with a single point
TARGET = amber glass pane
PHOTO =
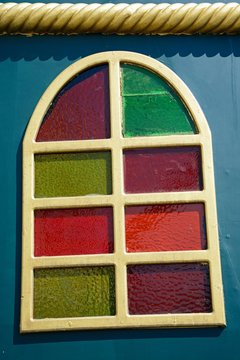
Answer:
(73, 231)
(151, 106)
(162, 169)
(169, 288)
(168, 227)
(81, 110)
(74, 292)
(73, 174)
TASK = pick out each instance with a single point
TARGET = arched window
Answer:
(119, 213)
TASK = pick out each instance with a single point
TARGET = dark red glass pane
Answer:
(73, 231)
(167, 227)
(169, 288)
(162, 169)
(81, 110)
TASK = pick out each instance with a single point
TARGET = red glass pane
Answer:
(81, 110)
(169, 288)
(168, 227)
(73, 231)
(162, 169)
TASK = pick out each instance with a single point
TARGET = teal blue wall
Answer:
(210, 66)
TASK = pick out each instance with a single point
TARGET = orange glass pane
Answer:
(167, 227)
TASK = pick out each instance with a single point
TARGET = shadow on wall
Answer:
(60, 47)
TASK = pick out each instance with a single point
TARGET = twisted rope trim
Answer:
(161, 19)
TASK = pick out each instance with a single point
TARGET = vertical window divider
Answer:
(117, 178)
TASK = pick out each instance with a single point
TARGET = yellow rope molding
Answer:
(162, 19)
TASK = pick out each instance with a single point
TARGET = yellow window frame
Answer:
(118, 200)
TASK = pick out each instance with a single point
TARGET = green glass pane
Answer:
(74, 292)
(73, 174)
(137, 80)
(150, 106)
(154, 115)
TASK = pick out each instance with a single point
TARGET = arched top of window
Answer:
(119, 213)
(77, 105)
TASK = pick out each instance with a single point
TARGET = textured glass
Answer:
(168, 227)
(72, 174)
(81, 109)
(73, 231)
(74, 292)
(150, 106)
(170, 288)
(162, 169)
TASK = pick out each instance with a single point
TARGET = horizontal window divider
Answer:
(124, 259)
(107, 144)
(111, 200)
(73, 202)
(115, 321)
(167, 257)
(71, 146)
(161, 141)
(73, 261)
(165, 198)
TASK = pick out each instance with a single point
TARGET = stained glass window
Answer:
(119, 217)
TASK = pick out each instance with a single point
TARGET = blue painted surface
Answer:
(210, 66)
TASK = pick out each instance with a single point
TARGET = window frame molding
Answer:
(118, 200)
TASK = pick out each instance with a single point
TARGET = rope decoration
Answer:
(161, 19)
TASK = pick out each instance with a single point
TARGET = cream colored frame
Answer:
(118, 200)
(161, 19)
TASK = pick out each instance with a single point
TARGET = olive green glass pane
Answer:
(73, 174)
(150, 106)
(74, 292)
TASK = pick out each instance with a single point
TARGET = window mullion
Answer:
(72, 260)
(165, 197)
(117, 176)
(161, 141)
(71, 146)
(72, 202)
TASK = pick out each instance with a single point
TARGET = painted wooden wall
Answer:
(210, 67)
